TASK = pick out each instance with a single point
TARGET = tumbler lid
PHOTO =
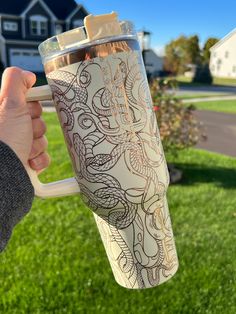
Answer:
(97, 29)
(100, 26)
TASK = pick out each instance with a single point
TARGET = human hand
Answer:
(21, 125)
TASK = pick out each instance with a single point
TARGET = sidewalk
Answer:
(214, 98)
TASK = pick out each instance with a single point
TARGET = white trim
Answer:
(24, 42)
(43, 4)
(9, 16)
(67, 25)
(23, 27)
(3, 51)
(221, 41)
(24, 50)
(69, 17)
(38, 19)
(73, 13)
(30, 6)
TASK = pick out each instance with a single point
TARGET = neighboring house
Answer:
(24, 24)
(153, 63)
(223, 57)
(190, 70)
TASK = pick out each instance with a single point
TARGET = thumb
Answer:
(15, 83)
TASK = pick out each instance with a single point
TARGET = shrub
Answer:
(203, 74)
(178, 127)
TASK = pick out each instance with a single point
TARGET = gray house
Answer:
(24, 24)
(153, 63)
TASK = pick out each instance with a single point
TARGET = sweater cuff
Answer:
(16, 192)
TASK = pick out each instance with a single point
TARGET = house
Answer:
(24, 24)
(153, 63)
(222, 60)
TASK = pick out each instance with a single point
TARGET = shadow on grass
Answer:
(41, 79)
(195, 173)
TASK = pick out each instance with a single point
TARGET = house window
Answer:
(58, 29)
(10, 26)
(78, 23)
(219, 62)
(226, 54)
(38, 25)
(234, 69)
(15, 53)
(214, 54)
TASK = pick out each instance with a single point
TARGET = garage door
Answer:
(26, 59)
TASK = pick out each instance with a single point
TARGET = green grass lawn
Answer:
(55, 261)
(224, 81)
(226, 106)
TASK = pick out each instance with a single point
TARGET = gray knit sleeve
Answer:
(16, 192)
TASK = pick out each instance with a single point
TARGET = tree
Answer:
(211, 41)
(193, 50)
(180, 52)
(174, 53)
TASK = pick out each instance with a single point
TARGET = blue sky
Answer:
(168, 19)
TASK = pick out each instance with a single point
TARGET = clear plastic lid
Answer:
(78, 38)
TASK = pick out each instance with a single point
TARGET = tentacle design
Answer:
(104, 106)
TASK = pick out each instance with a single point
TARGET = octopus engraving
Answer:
(105, 109)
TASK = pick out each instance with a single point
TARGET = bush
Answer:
(203, 74)
(178, 127)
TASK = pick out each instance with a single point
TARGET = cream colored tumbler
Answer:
(99, 86)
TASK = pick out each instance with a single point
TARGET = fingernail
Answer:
(27, 72)
(36, 162)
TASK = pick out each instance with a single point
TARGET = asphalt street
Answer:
(220, 130)
(214, 90)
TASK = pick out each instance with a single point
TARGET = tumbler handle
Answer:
(54, 189)
(39, 93)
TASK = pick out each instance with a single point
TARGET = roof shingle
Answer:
(61, 9)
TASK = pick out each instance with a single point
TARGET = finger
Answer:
(38, 147)
(15, 83)
(39, 127)
(40, 171)
(40, 162)
(35, 109)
